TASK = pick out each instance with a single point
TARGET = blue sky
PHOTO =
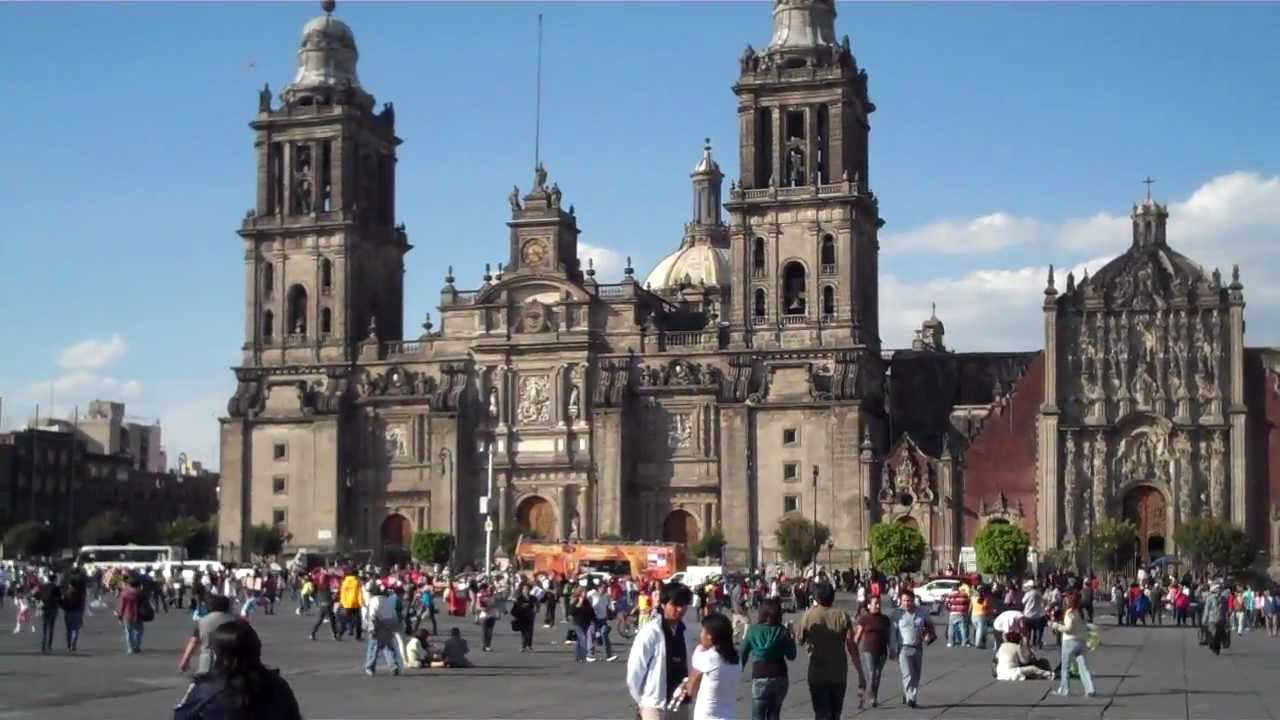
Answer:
(1008, 136)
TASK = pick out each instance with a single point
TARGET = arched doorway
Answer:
(536, 515)
(397, 537)
(680, 527)
(1148, 510)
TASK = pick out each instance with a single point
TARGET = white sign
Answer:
(324, 534)
(484, 505)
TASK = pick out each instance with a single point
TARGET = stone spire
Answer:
(707, 181)
(327, 65)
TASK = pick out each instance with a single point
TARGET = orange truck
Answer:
(658, 561)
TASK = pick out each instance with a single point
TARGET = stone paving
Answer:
(1144, 673)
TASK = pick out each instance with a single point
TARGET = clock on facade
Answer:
(534, 253)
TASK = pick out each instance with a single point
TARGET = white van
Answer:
(696, 575)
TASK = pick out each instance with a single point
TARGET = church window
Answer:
(764, 149)
(268, 324)
(823, 145)
(758, 311)
(828, 302)
(279, 516)
(797, 173)
(326, 321)
(326, 275)
(278, 484)
(794, 291)
(790, 472)
(268, 279)
(275, 178)
(758, 258)
(790, 437)
(828, 255)
(790, 503)
(326, 176)
(280, 452)
(297, 310)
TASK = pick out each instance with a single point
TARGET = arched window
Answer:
(268, 324)
(795, 294)
(757, 257)
(297, 310)
(326, 275)
(326, 321)
(758, 306)
(268, 279)
(828, 255)
(828, 301)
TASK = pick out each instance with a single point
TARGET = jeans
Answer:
(352, 623)
(550, 617)
(486, 631)
(133, 637)
(1073, 649)
(601, 631)
(73, 619)
(580, 645)
(957, 630)
(872, 667)
(828, 700)
(526, 635)
(326, 611)
(911, 662)
(980, 632)
(767, 695)
(1241, 625)
(1037, 630)
(383, 639)
(48, 626)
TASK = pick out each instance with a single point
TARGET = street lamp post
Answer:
(815, 517)
(486, 510)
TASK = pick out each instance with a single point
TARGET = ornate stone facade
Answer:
(744, 381)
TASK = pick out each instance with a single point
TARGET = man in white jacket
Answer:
(659, 656)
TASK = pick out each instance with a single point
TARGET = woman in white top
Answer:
(715, 673)
(1015, 662)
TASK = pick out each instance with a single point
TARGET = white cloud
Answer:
(1231, 219)
(188, 416)
(93, 354)
(988, 233)
(608, 263)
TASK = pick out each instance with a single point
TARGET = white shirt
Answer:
(600, 602)
(1006, 620)
(718, 690)
(1031, 604)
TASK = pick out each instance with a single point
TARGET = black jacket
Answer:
(209, 699)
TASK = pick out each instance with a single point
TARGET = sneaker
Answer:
(949, 645)
(368, 672)
(911, 703)
(312, 636)
(1062, 693)
(591, 659)
(611, 658)
(396, 672)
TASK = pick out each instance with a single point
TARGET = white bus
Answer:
(129, 556)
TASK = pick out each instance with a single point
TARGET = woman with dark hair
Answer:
(768, 646)
(238, 687)
(713, 682)
(1075, 636)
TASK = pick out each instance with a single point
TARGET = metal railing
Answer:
(795, 319)
(828, 269)
(691, 339)
(611, 291)
(759, 272)
(759, 320)
(404, 347)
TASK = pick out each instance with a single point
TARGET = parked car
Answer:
(934, 593)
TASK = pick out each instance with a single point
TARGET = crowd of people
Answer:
(743, 625)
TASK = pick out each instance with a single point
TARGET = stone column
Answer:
(835, 143)
(286, 169)
(810, 147)
(747, 150)
(779, 152)
(737, 498)
(1238, 414)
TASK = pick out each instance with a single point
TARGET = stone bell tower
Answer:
(323, 255)
(804, 218)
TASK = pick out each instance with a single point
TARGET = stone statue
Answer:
(1095, 398)
(302, 180)
(574, 403)
(1182, 459)
(1100, 475)
(514, 198)
(493, 403)
(1069, 488)
(1217, 475)
(748, 60)
(555, 195)
(575, 527)
(264, 98)
(299, 326)
(795, 166)
(539, 177)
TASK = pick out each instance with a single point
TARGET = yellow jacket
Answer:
(350, 595)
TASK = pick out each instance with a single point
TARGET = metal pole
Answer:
(488, 520)
(71, 486)
(814, 561)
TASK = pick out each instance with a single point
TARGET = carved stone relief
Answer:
(535, 400)
(1181, 445)
(1070, 487)
(680, 431)
(396, 439)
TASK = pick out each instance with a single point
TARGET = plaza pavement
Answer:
(1154, 673)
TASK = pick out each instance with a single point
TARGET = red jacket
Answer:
(127, 610)
(958, 602)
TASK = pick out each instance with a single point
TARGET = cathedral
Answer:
(738, 383)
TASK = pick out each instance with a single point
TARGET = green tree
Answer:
(265, 540)
(1215, 543)
(29, 539)
(896, 547)
(196, 536)
(107, 528)
(1111, 541)
(432, 547)
(1063, 558)
(1002, 549)
(711, 545)
(797, 539)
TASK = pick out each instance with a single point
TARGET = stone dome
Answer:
(327, 63)
(692, 264)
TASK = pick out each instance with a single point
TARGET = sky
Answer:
(1008, 136)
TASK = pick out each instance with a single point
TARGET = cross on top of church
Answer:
(1148, 181)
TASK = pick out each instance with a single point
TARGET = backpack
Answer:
(146, 611)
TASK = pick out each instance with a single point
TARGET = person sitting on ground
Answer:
(1015, 661)
(455, 650)
(418, 650)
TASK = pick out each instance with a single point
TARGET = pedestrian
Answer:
(583, 616)
(872, 638)
(1015, 661)
(323, 598)
(488, 616)
(524, 612)
(1034, 612)
(768, 645)
(602, 605)
(1075, 637)
(980, 614)
(827, 633)
(351, 597)
(49, 600)
(74, 597)
(714, 677)
(958, 609)
(129, 612)
(912, 631)
(658, 663)
(381, 622)
(238, 685)
(1213, 626)
(201, 640)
